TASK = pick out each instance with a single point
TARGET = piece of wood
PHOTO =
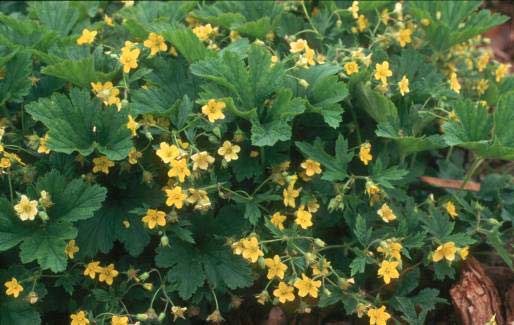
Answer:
(474, 297)
(451, 183)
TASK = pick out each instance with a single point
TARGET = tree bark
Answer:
(474, 297)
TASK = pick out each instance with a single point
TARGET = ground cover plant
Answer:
(195, 161)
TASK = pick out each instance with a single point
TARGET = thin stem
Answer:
(472, 171)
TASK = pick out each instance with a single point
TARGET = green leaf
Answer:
(494, 239)
(410, 144)
(442, 270)
(79, 72)
(15, 83)
(187, 44)
(384, 176)
(56, 16)
(361, 231)
(252, 212)
(453, 22)
(79, 123)
(325, 91)
(358, 265)
(47, 244)
(18, 312)
(185, 270)
(379, 107)
(335, 166)
(488, 137)
(73, 200)
(169, 82)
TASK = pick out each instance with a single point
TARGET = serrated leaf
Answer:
(18, 312)
(379, 107)
(79, 123)
(335, 166)
(187, 44)
(57, 16)
(361, 231)
(72, 200)
(169, 82)
(252, 212)
(47, 244)
(79, 72)
(15, 83)
(384, 176)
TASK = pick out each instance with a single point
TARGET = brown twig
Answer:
(451, 183)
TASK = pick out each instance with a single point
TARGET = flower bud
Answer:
(32, 297)
(303, 83)
(261, 263)
(161, 317)
(148, 286)
(165, 241)
(309, 258)
(142, 317)
(144, 276)
(43, 215)
(320, 243)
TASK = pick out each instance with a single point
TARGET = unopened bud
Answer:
(261, 263)
(32, 297)
(161, 317)
(142, 317)
(148, 286)
(320, 243)
(43, 215)
(303, 83)
(165, 241)
(144, 276)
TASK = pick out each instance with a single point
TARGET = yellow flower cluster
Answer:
(105, 274)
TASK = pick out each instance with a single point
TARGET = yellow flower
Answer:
(42, 145)
(500, 72)
(13, 288)
(204, 32)
(388, 271)
(155, 43)
(119, 320)
(167, 153)
(384, 16)
(202, 160)
(200, 199)
(26, 209)
(175, 197)
(178, 312)
(403, 85)
(87, 37)
(303, 218)
(325, 267)
(308, 58)
(453, 116)
(5, 163)
(482, 86)
(351, 68)
(102, 164)
(278, 219)
(132, 125)
(354, 9)
(229, 151)
(133, 156)
(128, 59)
(234, 36)
(362, 23)
(386, 213)
(108, 274)
(79, 318)
(454, 83)
(404, 36)
(179, 169)
(378, 316)
(251, 250)
(237, 247)
(92, 268)
(450, 208)
(307, 286)
(290, 194)
(71, 249)
(482, 61)
(365, 153)
(298, 46)
(284, 292)
(390, 249)
(154, 218)
(464, 252)
(108, 21)
(213, 110)
(275, 267)
(313, 206)
(107, 93)
(446, 251)
(382, 72)
(311, 167)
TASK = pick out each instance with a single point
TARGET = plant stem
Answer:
(472, 171)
